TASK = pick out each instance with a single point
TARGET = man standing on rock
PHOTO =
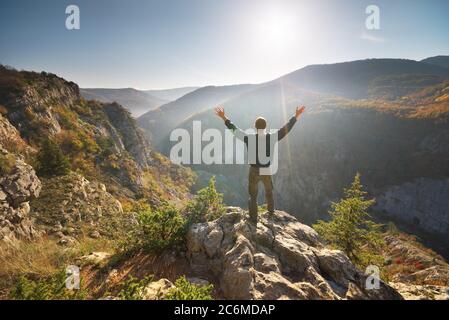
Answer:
(256, 143)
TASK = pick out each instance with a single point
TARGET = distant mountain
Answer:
(170, 94)
(137, 102)
(442, 61)
(355, 79)
(373, 78)
(159, 122)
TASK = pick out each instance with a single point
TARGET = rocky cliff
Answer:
(101, 140)
(18, 185)
(423, 203)
(279, 259)
(107, 155)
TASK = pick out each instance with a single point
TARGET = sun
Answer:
(274, 29)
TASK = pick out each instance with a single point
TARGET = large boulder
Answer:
(18, 185)
(156, 290)
(279, 259)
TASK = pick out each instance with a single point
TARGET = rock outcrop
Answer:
(31, 108)
(71, 204)
(132, 136)
(10, 138)
(156, 290)
(418, 265)
(18, 185)
(421, 292)
(279, 259)
(416, 272)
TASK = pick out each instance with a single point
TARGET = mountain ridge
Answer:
(171, 94)
(136, 101)
(441, 60)
(357, 81)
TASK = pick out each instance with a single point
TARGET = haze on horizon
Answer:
(167, 44)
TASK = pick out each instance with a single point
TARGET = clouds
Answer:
(371, 38)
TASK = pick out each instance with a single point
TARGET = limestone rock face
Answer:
(279, 259)
(133, 138)
(423, 202)
(49, 90)
(18, 185)
(10, 138)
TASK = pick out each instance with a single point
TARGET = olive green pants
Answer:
(253, 189)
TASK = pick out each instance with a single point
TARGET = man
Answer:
(256, 173)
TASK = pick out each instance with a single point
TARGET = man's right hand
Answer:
(219, 111)
(299, 111)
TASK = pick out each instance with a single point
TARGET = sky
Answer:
(175, 43)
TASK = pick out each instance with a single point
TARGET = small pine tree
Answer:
(51, 161)
(133, 288)
(350, 228)
(184, 290)
(48, 288)
(207, 204)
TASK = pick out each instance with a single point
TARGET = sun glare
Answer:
(275, 29)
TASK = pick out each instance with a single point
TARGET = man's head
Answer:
(260, 123)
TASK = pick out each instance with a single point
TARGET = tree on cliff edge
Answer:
(350, 228)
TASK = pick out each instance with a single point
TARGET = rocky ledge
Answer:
(281, 258)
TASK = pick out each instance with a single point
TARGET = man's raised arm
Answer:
(289, 125)
(239, 133)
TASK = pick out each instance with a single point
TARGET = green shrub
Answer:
(350, 228)
(132, 288)
(106, 146)
(51, 161)
(7, 163)
(156, 230)
(49, 288)
(184, 290)
(73, 142)
(207, 204)
(66, 117)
